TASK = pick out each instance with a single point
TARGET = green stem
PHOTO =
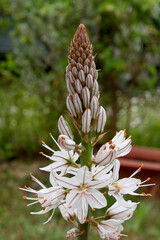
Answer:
(86, 157)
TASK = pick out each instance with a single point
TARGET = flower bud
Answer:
(71, 77)
(81, 76)
(105, 155)
(99, 127)
(66, 143)
(75, 71)
(86, 69)
(86, 121)
(69, 86)
(93, 65)
(68, 68)
(79, 66)
(78, 86)
(64, 128)
(77, 103)
(73, 233)
(94, 107)
(86, 97)
(95, 88)
(80, 60)
(89, 81)
(94, 73)
(87, 62)
(70, 106)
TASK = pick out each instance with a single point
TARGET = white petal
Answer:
(82, 210)
(66, 182)
(96, 199)
(73, 199)
(83, 175)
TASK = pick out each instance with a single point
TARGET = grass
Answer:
(16, 223)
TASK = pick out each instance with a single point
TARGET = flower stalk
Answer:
(80, 181)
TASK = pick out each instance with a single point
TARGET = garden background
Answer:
(34, 43)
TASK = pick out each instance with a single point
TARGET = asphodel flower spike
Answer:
(81, 179)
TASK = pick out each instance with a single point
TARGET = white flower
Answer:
(72, 233)
(126, 185)
(110, 229)
(121, 212)
(117, 147)
(49, 198)
(62, 159)
(83, 192)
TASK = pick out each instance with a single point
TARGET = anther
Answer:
(44, 208)
(87, 186)
(137, 184)
(24, 197)
(110, 142)
(119, 235)
(141, 167)
(42, 142)
(144, 194)
(70, 206)
(104, 193)
(93, 209)
(31, 177)
(148, 179)
(40, 152)
(44, 202)
(63, 138)
(67, 191)
(84, 217)
(149, 194)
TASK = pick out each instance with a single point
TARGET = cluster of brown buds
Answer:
(81, 80)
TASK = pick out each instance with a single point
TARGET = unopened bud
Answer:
(87, 62)
(79, 66)
(81, 76)
(99, 127)
(95, 88)
(89, 81)
(64, 128)
(94, 73)
(73, 233)
(86, 69)
(94, 107)
(93, 65)
(68, 68)
(66, 143)
(77, 103)
(71, 77)
(78, 86)
(69, 86)
(75, 71)
(86, 121)
(80, 60)
(86, 97)
(70, 106)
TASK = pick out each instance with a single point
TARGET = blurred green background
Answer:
(34, 42)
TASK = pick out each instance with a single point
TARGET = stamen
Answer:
(93, 209)
(104, 148)
(149, 194)
(119, 235)
(87, 186)
(110, 142)
(55, 140)
(148, 179)
(70, 206)
(31, 177)
(84, 217)
(104, 193)
(141, 167)
(68, 192)
(44, 202)
(137, 171)
(44, 208)
(43, 142)
(24, 197)
(144, 194)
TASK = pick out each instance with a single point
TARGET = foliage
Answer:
(126, 38)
